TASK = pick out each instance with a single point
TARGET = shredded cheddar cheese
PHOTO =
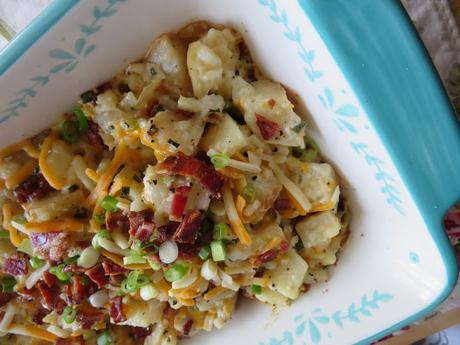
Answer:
(45, 169)
(214, 293)
(15, 238)
(92, 174)
(55, 225)
(235, 221)
(32, 331)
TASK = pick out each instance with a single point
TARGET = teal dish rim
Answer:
(32, 33)
(381, 56)
(377, 48)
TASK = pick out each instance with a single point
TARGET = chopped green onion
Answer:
(20, 219)
(218, 250)
(134, 259)
(256, 289)
(124, 191)
(309, 154)
(249, 193)
(299, 245)
(97, 236)
(148, 292)
(220, 230)
(204, 252)
(100, 218)
(8, 284)
(71, 260)
(26, 247)
(82, 121)
(88, 96)
(70, 131)
(154, 264)
(104, 339)
(109, 203)
(135, 281)
(205, 226)
(58, 271)
(297, 128)
(142, 280)
(36, 262)
(220, 160)
(4, 234)
(176, 272)
(69, 315)
(152, 71)
(125, 288)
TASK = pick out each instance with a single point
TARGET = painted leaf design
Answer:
(71, 67)
(322, 319)
(59, 67)
(383, 176)
(89, 49)
(263, 2)
(14, 101)
(307, 56)
(109, 12)
(323, 101)
(337, 318)
(348, 110)
(385, 297)
(352, 313)
(28, 91)
(97, 12)
(348, 126)
(79, 45)
(329, 96)
(300, 329)
(373, 160)
(89, 30)
(275, 18)
(315, 335)
(61, 54)
(284, 18)
(43, 80)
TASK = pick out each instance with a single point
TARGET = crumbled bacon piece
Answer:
(15, 266)
(116, 280)
(111, 268)
(5, 297)
(267, 128)
(88, 316)
(79, 290)
(283, 204)
(50, 296)
(166, 232)
(39, 314)
(29, 295)
(179, 201)
(169, 315)
(184, 165)
(34, 187)
(49, 279)
(187, 328)
(97, 275)
(116, 310)
(93, 135)
(284, 246)
(141, 224)
(51, 245)
(139, 333)
(188, 251)
(117, 221)
(74, 269)
(265, 257)
(187, 232)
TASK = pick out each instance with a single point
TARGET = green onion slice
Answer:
(109, 203)
(220, 160)
(69, 315)
(175, 272)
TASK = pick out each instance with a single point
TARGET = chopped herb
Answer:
(214, 110)
(256, 289)
(58, 271)
(299, 245)
(36, 262)
(218, 250)
(152, 71)
(8, 284)
(71, 260)
(137, 178)
(82, 121)
(297, 128)
(72, 188)
(4, 234)
(220, 230)
(111, 128)
(88, 96)
(120, 168)
(175, 272)
(80, 213)
(70, 131)
(173, 143)
(99, 218)
(220, 160)
(124, 192)
(109, 203)
(309, 154)
(204, 252)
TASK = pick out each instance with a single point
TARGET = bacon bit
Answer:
(179, 201)
(188, 251)
(271, 103)
(111, 268)
(284, 245)
(89, 316)
(93, 135)
(97, 275)
(50, 296)
(267, 128)
(169, 314)
(283, 204)
(184, 165)
(51, 245)
(74, 269)
(141, 224)
(116, 280)
(29, 295)
(185, 113)
(305, 287)
(186, 329)
(187, 232)
(166, 232)
(265, 257)
(39, 314)
(49, 279)
(33, 188)
(15, 266)
(5, 297)
(80, 289)
(116, 310)
(117, 221)
(139, 333)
